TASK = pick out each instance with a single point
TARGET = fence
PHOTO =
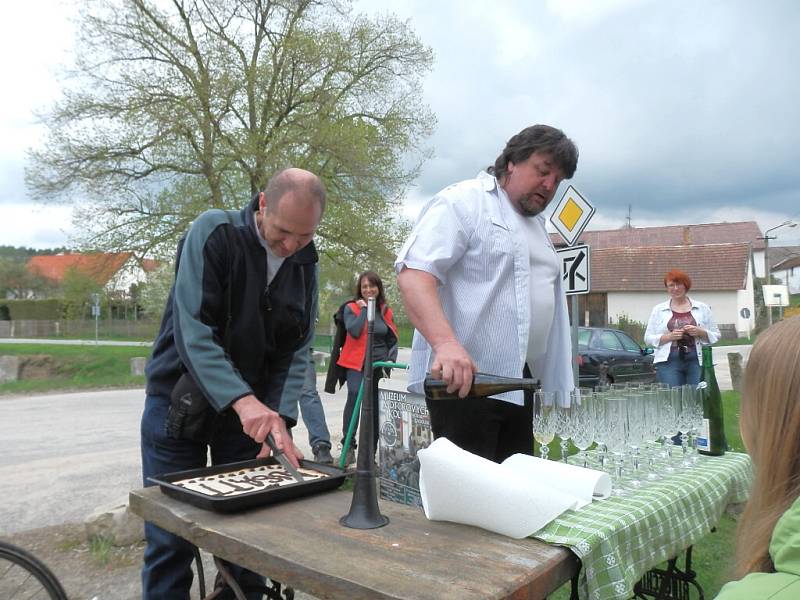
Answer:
(80, 328)
(106, 329)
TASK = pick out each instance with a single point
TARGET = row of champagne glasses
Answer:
(624, 422)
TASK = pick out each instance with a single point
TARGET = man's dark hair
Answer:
(538, 138)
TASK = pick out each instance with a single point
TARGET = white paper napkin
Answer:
(582, 484)
(462, 487)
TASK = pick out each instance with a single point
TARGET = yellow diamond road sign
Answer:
(571, 215)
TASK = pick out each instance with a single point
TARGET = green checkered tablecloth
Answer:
(619, 539)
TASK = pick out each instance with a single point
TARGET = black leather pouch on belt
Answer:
(190, 415)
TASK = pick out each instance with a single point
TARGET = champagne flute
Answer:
(583, 413)
(616, 420)
(544, 420)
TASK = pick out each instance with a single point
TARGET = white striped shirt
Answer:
(469, 238)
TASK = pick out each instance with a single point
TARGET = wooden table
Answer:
(301, 544)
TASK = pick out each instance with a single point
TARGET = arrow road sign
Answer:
(575, 269)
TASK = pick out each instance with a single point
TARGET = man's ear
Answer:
(262, 201)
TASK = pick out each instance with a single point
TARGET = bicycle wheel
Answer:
(22, 575)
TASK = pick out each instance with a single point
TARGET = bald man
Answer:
(230, 359)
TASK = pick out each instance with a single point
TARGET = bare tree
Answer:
(182, 105)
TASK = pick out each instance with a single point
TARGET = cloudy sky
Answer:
(686, 111)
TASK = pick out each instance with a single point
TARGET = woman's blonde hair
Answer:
(770, 426)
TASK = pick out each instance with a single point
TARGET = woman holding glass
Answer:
(768, 537)
(676, 329)
(384, 343)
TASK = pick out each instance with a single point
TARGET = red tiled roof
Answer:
(710, 267)
(672, 235)
(100, 267)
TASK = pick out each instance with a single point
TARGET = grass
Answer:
(100, 548)
(736, 342)
(76, 367)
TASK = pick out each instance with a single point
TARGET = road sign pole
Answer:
(570, 216)
(574, 334)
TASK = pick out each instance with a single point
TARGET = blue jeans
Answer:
(311, 410)
(167, 569)
(679, 370)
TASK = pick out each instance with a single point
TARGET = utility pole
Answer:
(767, 273)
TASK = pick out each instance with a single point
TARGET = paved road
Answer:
(63, 455)
(721, 367)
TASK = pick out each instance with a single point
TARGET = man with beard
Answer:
(481, 284)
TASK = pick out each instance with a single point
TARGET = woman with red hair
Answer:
(676, 329)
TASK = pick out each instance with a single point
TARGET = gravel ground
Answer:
(91, 573)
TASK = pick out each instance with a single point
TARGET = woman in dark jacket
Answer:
(351, 354)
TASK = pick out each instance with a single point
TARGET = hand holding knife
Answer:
(281, 458)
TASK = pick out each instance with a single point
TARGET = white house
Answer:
(115, 272)
(631, 280)
(785, 262)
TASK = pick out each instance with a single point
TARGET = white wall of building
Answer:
(758, 260)
(746, 300)
(636, 305)
(790, 277)
(123, 279)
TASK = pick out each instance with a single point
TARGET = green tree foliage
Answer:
(176, 107)
(16, 282)
(78, 288)
(632, 327)
(154, 293)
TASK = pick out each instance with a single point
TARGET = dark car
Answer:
(612, 356)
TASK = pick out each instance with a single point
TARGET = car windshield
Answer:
(606, 339)
(629, 344)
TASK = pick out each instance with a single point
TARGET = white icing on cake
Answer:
(243, 481)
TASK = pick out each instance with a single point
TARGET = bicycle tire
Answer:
(22, 560)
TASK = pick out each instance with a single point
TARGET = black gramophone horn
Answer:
(364, 512)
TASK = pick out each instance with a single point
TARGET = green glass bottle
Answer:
(711, 439)
(483, 385)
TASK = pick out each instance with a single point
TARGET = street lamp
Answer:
(767, 273)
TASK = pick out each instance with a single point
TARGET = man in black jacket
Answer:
(235, 336)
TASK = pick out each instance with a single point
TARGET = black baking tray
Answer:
(258, 497)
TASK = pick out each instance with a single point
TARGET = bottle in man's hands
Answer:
(483, 385)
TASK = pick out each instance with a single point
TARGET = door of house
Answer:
(595, 305)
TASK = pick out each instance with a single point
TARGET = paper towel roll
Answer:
(462, 487)
(580, 483)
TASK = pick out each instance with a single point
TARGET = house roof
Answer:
(710, 267)
(784, 257)
(671, 235)
(101, 267)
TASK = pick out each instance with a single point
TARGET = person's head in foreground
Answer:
(768, 538)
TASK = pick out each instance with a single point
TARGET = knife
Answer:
(281, 458)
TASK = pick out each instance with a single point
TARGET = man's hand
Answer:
(258, 420)
(454, 366)
(451, 362)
